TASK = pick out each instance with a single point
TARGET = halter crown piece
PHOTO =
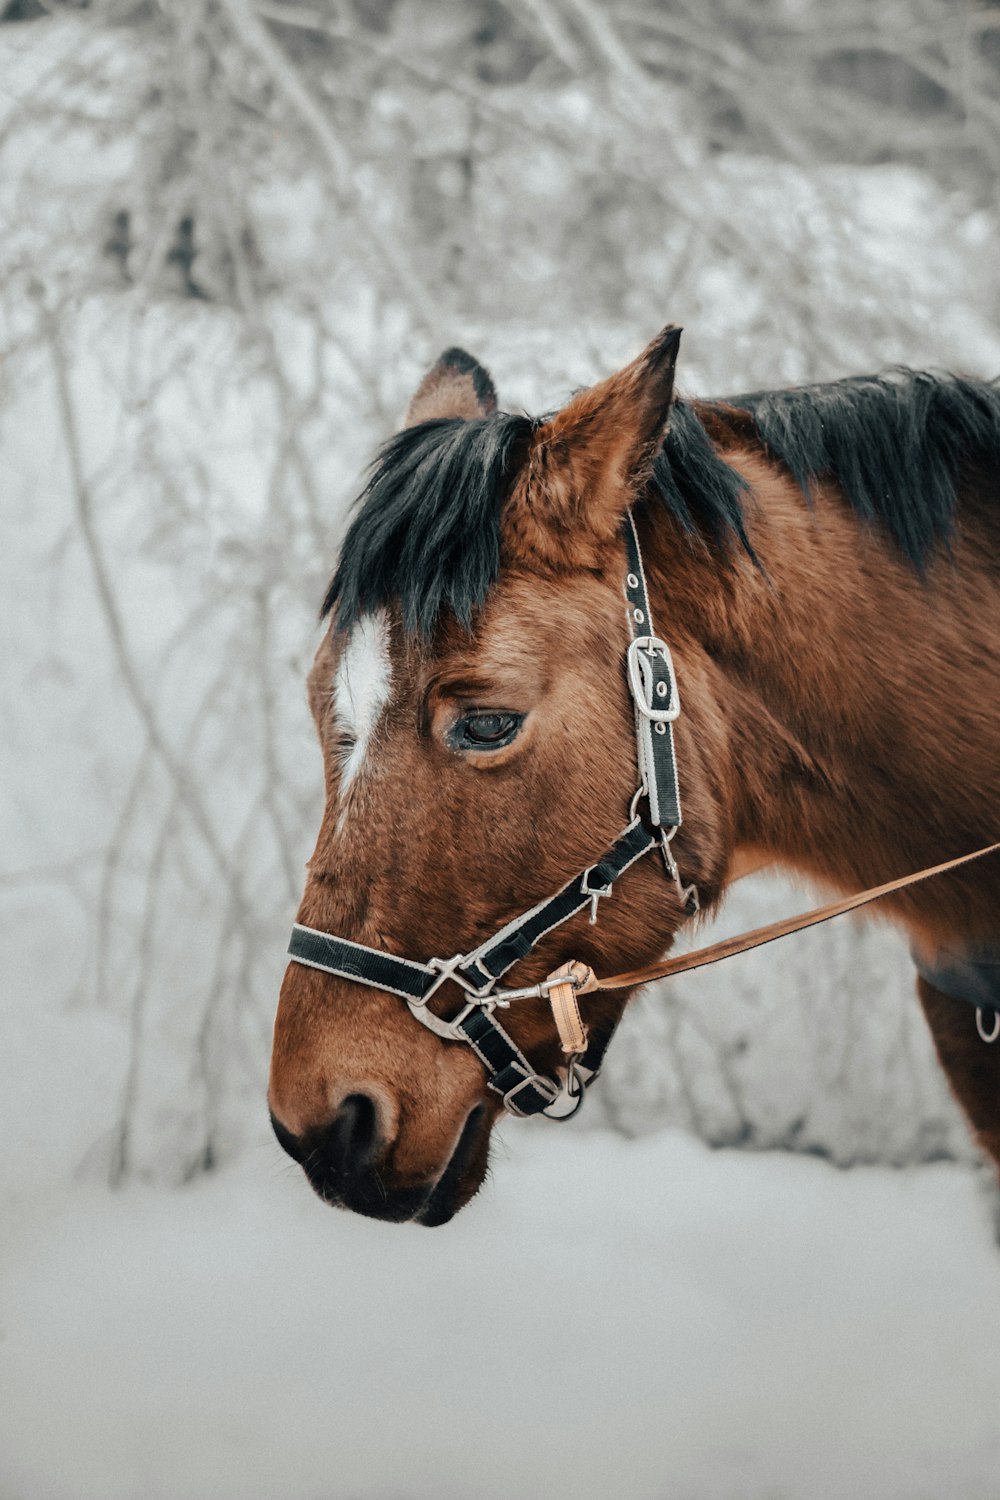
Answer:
(653, 686)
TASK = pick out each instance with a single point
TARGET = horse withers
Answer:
(504, 747)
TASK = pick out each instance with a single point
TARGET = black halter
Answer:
(524, 1091)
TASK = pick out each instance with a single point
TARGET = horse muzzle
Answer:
(348, 1164)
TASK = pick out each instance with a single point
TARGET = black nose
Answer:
(343, 1149)
(346, 1147)
(341, 1160)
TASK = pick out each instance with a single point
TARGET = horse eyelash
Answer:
(343, 743)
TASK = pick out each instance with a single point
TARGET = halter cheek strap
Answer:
(657, 704)
(522, 1089)
(654, 694)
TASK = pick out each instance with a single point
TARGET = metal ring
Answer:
(987, 1036)
(632, 581)
(576, 1095)
(660, 728)
(638, 616)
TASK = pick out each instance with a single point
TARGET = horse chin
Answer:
(464, 1174)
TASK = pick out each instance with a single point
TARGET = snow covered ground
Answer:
(610, 1318)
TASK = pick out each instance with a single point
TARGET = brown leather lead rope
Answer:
(746, 941)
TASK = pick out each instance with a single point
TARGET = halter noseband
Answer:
(653, 687)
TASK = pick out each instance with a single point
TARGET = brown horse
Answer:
(825, 565)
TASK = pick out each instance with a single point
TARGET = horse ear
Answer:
(456, 386)
(586, 463)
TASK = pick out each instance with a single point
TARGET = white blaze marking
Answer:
(361, 688)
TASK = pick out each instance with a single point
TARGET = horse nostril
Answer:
(350, 1141)
(286, 1140)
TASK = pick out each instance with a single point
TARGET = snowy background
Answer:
(231, 239)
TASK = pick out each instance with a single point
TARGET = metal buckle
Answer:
(545, 1086)
(653, 646)
(448, 968)
(440, 1027)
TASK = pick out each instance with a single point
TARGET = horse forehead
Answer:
(362, 681)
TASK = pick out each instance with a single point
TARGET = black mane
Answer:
(427, 528)
(893, 442)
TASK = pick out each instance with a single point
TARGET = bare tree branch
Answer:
(251, 31)
(141, 700)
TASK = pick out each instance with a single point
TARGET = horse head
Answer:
(479, 741)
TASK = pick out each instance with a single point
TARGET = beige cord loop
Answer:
(565, 1011)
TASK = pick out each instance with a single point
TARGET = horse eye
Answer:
(486, 731)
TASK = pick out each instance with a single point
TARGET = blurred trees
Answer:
(482, 155)
(231, 234)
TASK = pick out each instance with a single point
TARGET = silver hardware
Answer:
(652, 646)
(987, 1036)
(686, 894)
(660, 728)
(661, 689)
(573, 1090)
(446, 1029)
(631, 580)
(638, 616)
(538, 991)
(545, 1087)
(596, 894)
(448, 968)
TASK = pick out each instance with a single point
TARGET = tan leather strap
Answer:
(746, 941)
(565, 1010)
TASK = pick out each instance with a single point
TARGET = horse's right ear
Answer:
(456, 386)
(586, 465)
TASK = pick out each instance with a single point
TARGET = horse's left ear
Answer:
(456, 386)
(586, 464)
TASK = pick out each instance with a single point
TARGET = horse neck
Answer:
(831, 666)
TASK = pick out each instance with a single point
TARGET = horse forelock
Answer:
(426, 532)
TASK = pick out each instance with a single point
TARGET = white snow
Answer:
(610, 1318)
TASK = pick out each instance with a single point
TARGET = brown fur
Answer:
(838, 720)
(448, 390)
